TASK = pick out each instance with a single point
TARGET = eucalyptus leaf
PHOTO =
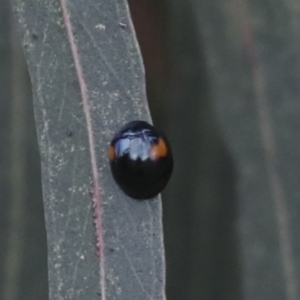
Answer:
(88, 80)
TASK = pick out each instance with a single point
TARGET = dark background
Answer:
(223, 83)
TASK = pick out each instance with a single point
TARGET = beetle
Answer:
(141, 160)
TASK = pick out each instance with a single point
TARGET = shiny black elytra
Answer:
(141, 160)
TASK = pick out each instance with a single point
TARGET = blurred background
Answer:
(223, 81)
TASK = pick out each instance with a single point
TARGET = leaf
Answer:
(88, 80)
(252, 60)
(23, 246)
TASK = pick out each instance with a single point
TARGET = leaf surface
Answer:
(88, 80)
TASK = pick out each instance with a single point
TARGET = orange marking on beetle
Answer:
(159, 150)
(111, 153)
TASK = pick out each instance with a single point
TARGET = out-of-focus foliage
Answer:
(23, 257)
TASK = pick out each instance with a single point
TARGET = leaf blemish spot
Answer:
(100, 26)
(123, 25)
(34, 36)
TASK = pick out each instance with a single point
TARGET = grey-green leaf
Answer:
(88, 80)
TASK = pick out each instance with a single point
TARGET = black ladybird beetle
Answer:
(141, 160)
